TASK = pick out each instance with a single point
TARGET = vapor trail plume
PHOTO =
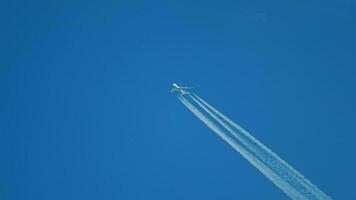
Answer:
(281, 167)
(273, 167)
(270, 174)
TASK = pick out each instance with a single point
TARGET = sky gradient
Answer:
(86, 113)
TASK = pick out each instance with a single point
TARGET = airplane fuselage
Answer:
(182, 90)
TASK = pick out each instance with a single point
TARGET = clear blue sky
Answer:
(86, 113)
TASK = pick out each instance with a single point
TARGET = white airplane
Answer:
(182, 90)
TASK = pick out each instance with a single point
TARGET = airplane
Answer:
(182, 90)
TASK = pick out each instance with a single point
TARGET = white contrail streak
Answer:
(286, 171)
(273, 167)
(271, 175)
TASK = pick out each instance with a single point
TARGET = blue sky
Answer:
(86, 111)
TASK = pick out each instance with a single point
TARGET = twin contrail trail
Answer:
(268, 163)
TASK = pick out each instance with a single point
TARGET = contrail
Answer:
(271, 175)
(274, 168)
(266, 155)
